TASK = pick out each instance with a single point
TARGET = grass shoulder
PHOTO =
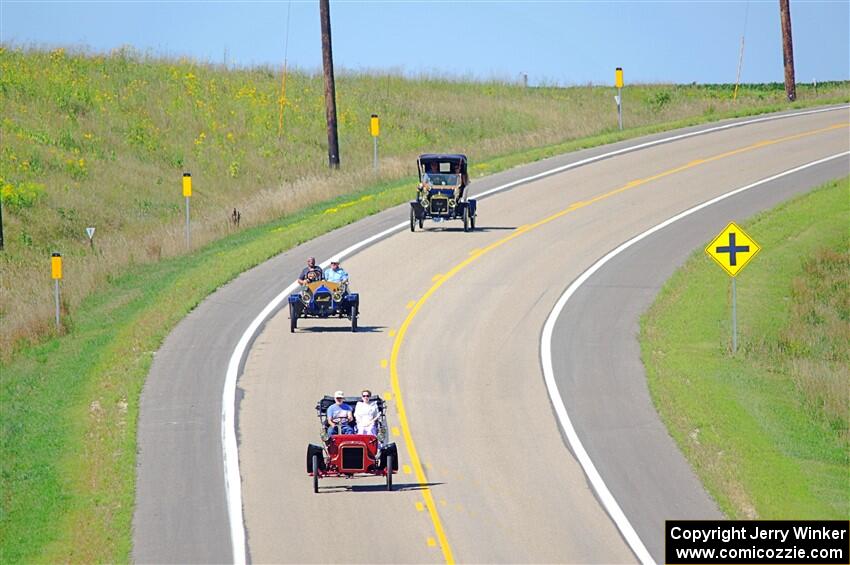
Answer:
(766, 430)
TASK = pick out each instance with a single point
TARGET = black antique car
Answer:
(323, 299)
(442, 191)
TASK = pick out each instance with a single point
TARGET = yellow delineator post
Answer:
(187, 192)
(618, 82)
(375, 130)
(732, 249)
(56, 274)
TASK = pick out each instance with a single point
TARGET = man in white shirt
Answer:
(335, 273)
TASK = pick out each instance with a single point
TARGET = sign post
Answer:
(187, 192)
(375, 129)
(56, 274)
(732, 249)
(618, 82)
(90, 233)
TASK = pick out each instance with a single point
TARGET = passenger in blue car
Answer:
(335, 273)
(340, 416)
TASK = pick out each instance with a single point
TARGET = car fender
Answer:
(317, 450)
(389, 449)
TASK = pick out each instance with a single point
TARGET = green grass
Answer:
(69, 402)
(767, 429)
(68, 424)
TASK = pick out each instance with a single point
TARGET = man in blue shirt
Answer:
(340, 415)
(335, 273)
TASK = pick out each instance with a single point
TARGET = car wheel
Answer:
(389, 472)
(472, 222)
(354, 314)
(465, 218)
(293, 318)
(315, 473)
(421, 223)
(413, 220)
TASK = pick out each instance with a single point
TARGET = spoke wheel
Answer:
(389, 472)
(315, 473)
(413, 220)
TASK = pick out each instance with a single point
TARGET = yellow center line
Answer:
(417, 306)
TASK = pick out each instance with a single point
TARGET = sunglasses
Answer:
(367, 395)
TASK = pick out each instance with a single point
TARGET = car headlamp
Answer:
(337, 295)
(305, 296)
(452, 203)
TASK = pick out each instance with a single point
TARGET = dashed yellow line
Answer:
(396, 432)
(419, 506)
(415, 307)
(384, 363)
(406, 469)
(392, 333)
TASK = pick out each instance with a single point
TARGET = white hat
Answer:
(338, 394)
(334, 260)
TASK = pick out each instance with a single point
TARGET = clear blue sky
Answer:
(553, 42)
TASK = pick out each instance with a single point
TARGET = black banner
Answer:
(757, 541)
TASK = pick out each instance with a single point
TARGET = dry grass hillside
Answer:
(103, 140)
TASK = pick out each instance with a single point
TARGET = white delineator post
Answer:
(375, 130)
(618, 82)
(187, 192)
(56, 274)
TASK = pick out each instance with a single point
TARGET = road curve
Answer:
(470, 308)
(597, 367)
(504, 486)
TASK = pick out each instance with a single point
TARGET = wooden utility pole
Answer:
(330, 90)
(787, 50)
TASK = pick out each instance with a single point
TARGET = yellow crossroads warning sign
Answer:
(732, 249)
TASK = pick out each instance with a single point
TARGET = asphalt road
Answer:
(504, 486)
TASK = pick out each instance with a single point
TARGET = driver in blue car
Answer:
(335, 273)
(310, 273)
(340, 416)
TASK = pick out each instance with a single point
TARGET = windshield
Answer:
(440, 179)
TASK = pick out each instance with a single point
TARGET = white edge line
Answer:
(230, 453)
(593, 476)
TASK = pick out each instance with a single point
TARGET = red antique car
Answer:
(346, 455)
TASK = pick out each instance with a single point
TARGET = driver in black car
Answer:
(310, 273)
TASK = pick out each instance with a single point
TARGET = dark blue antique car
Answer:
(323, 299)
(441, 194)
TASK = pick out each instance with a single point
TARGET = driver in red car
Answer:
(340, 415)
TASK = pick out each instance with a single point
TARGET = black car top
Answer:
(443, 163)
